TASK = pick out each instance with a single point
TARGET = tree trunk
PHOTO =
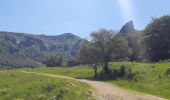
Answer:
(106, 69)
(95, 71)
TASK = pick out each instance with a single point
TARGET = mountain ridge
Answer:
(31, 49)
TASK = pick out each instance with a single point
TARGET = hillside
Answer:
(22, 50)
(16, 85)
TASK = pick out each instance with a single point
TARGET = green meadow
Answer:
(150, 77)
(16, 85)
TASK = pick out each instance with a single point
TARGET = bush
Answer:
(72, 63)
(122, 73)
(168, 71)
(53, 61)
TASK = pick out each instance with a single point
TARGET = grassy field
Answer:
(76, 72)
(150, 78)
(15, 85)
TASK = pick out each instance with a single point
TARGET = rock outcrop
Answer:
(128, 28)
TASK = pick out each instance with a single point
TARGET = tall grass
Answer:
(15, 85)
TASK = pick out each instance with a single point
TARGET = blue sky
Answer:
(80, 17)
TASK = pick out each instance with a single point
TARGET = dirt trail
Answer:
(106, 91)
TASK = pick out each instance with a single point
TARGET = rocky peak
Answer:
(128, 28)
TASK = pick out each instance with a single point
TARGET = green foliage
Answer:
(121, 48)
(16, 85)
(105, 46)
(53, 61)
(123, 72)
(156, 39)
(134, 44)
(168, 72)
(72, 62)
(88, 54)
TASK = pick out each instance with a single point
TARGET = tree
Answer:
(156, 39)
(89, 55)
(105, 46)
(103, 41)
(110, 45)
(121, 50)
(53, 61)
(133, 43)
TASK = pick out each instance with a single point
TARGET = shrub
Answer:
(122, 72)
(53, 61)
(168, 71)
(72, 63)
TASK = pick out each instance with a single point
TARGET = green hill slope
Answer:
(22, 50)
(16, 85)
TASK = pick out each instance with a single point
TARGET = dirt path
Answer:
(106, 91)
